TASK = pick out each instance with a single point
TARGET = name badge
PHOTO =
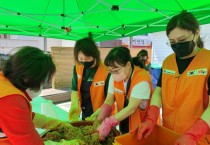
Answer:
(100, 83)
(170, 72)
(118, 91)
(197, 72)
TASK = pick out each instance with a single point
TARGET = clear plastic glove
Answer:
(94, 116)
(49, 142)
(74, 112)
(106, 127)
(44, 122)
(106, 111)
(72, 142)
(65, 142)
(91, 118)
(147, 127)
(195, 132)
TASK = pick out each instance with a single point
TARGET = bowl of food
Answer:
(81, 130)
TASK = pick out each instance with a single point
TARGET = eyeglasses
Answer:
(115, 71)
(169, 43)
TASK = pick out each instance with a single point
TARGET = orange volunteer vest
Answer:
(139, 75)
(8, 89)
(97, 86)
(185, 96)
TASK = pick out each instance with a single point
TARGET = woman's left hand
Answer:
(106, 126)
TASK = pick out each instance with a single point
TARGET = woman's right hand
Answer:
(65, 142)
(74, 113)
(75, 109)
(72, 142)
(91, 118)
(145, 129)
(94, 116)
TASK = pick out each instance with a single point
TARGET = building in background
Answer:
(9, 42)
(154, 41)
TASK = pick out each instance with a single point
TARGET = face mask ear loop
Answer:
(193, 36)
(192, 41)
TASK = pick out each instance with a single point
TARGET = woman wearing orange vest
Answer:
(143, 56)
(183, 88)
(130, 86)
(89, 82)
(21, 79)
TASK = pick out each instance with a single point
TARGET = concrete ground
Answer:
(56, 95)
(65, 106)
(60, 98)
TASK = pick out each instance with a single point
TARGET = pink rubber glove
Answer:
(106, 110)
(197, 130)
(106, 127)
(147, 127)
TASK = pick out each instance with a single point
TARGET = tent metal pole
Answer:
(45, 44)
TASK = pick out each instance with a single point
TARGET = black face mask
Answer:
(87, 64)
(183, 49)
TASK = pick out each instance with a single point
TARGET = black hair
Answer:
(142, 52)
(187, 21)
(88, 47)
(136, 61)
(29, 67)
(121, 55)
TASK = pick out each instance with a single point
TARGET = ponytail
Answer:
(137, 62)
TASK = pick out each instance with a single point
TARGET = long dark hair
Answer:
(187, 21)
(121, 55)
(142, 52)
(29, 67)
(88, 47)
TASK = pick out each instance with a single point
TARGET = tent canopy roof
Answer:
(104, 19)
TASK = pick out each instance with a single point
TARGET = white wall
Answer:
(6, 45)
(29, 40)
(205, 35)
(53, 42)
(58, 43)
(161, 50)
(68, 43)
